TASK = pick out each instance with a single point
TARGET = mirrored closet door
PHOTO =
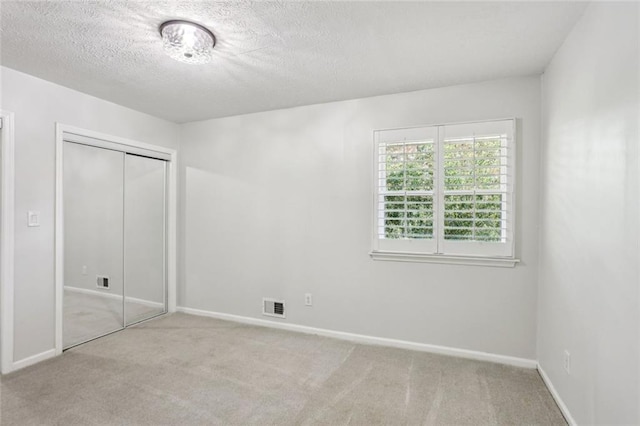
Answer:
(114, 240)
(144, 237)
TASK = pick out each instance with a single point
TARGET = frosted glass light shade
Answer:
(187, 42)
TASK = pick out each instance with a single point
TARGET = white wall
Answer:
(279, 204)
(37, 105)
(589, 297)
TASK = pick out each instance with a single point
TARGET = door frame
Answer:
(172, 216)
(7, 241)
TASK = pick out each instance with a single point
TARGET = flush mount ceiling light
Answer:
(187, 42)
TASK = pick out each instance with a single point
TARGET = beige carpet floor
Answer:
(187, 370)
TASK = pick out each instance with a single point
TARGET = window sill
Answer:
(499, 262)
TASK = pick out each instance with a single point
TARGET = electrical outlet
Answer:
(567, 362)
(308, 299)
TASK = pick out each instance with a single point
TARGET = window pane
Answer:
(407, 166)
(408, 216)
(475, 164)
(458, 165)
(475, 217)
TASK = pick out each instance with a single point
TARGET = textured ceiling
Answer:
(273, 55)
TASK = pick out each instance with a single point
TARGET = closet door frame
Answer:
(101, 140)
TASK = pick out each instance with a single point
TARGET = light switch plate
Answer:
(33, 218)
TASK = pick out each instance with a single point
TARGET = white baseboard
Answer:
(145, 302)
(369, 340)
(556, 396)
(98, 293)
(34, 359)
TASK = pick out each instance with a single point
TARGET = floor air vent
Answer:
(273, 308)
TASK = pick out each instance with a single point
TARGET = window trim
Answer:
(406, 251)
(447, 259)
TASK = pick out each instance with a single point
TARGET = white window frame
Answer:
(439, 250)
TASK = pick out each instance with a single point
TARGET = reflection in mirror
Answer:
(144, 238)
(93, 242)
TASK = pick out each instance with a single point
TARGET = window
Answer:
(445, 190)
